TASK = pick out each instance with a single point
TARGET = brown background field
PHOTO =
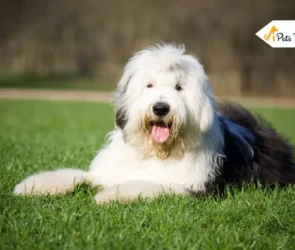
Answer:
(94, 38)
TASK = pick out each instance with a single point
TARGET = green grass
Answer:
(37, 135)
(62, 81)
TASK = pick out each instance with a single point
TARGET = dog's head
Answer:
(164, 101)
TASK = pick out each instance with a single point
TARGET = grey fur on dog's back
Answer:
(272, 160)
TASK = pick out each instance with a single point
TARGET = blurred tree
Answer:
(95, 38)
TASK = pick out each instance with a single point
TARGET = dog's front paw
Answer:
(112, 194)
(26, 187)
(132, 190)
(41, 184)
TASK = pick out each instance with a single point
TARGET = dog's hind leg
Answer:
(57, 182)
(131, 190)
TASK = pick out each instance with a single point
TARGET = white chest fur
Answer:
(118, 163)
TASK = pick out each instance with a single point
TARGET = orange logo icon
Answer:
(271, 34)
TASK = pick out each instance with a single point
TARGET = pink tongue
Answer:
(160, 134)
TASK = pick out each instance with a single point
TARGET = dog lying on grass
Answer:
(171, 137)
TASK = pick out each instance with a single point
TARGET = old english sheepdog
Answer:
(171, 137)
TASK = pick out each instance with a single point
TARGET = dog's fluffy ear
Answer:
(121, 118)
(120, 112)
(207, 115)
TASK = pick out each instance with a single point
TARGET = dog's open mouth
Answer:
(160, 131)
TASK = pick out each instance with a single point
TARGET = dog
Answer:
(171, 137)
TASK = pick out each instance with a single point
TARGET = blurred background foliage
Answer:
(86, 43)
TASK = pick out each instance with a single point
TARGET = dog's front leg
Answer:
(55, 182)
(131, 190)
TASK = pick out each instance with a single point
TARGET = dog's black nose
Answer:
(161, 109)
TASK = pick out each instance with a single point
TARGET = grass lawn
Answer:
(29, 81)
(39, 135)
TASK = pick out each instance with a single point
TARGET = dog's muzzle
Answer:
(160, 129)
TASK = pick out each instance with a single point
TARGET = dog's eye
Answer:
(150, 85)
(178, 87)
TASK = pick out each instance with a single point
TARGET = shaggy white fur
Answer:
(134, 162)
